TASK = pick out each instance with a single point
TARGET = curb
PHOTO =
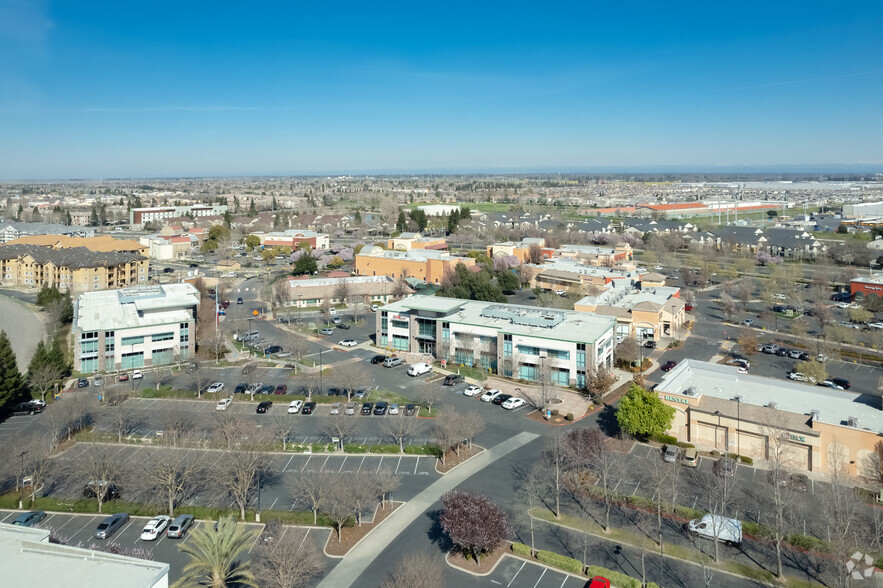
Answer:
(468, 459)
(368, 534)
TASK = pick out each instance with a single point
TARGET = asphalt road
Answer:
(24, 329)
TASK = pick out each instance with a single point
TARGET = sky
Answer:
(95, 89)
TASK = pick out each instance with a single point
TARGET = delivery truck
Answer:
(717, 528)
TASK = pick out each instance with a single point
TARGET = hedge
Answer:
(664, 439)
(423, 450)
(568, 564)
(569, 417)
(805, 542)
(522, 550)
(618, 579)
(639, 501)
(684, 445)
(755, 529)
(387, 448)
(355, 448)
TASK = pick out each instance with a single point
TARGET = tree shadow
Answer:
(436, 534)
(607, 422)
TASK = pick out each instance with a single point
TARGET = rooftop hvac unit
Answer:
(814, 413)
(691, 391)
(773, 405)
(852, 422)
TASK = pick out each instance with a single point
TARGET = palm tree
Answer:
(215, 554)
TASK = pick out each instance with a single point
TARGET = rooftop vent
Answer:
(814, 413)
(691, 391)
(773, 405)
(852, 422)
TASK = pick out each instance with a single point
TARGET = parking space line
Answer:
(6, 517)
(361, 463)
(305, 537)
(288, 464)
(322, 469)
(196, 526)
(274, 503)
(307, 462)
(379, 463)
(545, 569)
(524, 563)
(398, 464)
(416, 463)
(566, 578)
(340, 469)
(90, 522)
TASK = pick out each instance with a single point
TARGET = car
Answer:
(155, 527)
(804, 356)
(669, 365)
(782, 352)
(561, 292)
(489, 395)
(393, 409)
(381, 407)
(842, 382)
(689, 307)
(373, 308)
(452, 379)
(741, 370)
(308, 408)
(224, 403)
(725, 466)
(831, 384)
(367, 408)
(110, 490)
(137, 375)
(770, 348)
(501, 398)
(393, 362)
(742, 363)
(30, 407)
(343, 326)
(123, 378)
(850, 325)
(168, 270)
(690, 457)
(336, 320)
(650, 344)
(795, 354)
(179, 526)
(780, 297)
(658, 268)
(272, 349)
(335, 391)
(239, 300)
(82, 383)
(348, 343)
(472, 390)
(410, 409)
(362, 392)
(821, 357)
(670, 454)
(513, 402)
(266, 389)
(215, 387)
(875, 325)
(378, 359)
(295, 406)
(326, 332)
(844, 305)
(281, 389)
(598, 582)
(335, 408)
(747, 322)
(29, 519)
(111, 525)
(194, 265)
(350, 407)
(240, 388)
(222, 312)
(264, 407)
(418, 369)
(798, 377)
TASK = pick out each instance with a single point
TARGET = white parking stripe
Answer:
(524, 563)
(541, 577)
(566, 578)
(307, 462)
(398, 464)
(416, 463)
(379, 463)
(288, 464)
(6, 517)
(343, 461)
(361, 463)
(90, 522)
(305, 537)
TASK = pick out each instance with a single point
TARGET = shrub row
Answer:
(423, 450)
(618, 579)
(685, 445)
(355, 448)
(521, 549)
(387, 448)
(665, 439)
(568, 564)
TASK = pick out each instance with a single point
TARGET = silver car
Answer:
(670, 454)
(111, 525)
(179, 526)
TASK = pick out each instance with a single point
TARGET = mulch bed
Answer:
(452, 460)
(487, 563)
(555, 420)
(349, 536)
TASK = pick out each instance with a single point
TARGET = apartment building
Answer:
(139, 216)
(519, 249)
(293, 238)
(424, 264)
(11, 230)
(408, 241)
(312, 292)
(134, 327)
(523, 342)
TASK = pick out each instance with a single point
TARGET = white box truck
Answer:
(717, 528)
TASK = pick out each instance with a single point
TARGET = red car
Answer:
(281, 389)
(598, 582)
(670, 364)
(688, 307)
(123, 378)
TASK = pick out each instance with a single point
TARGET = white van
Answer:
(418, 369)
(719, 528)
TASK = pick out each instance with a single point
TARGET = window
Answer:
(558, 354)
(383, 340)
(108, 335)
(527, 372)
(132, 340)
(581, 378)
(507, 348)
(132, 360)
(89, 347)
(580, 359)
(527, 350)
(87, 366)
(89, 335)
(400, 324)
(162, 337)
(561, 377)
(399, 343)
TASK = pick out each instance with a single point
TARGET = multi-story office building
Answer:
(139, 216)
(428, 265)
(523, 342)
(134, 327)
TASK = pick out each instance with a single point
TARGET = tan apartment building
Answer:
(408, 241)
(424, 264)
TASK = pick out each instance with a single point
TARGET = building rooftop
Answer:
(697, 379)
(411, 254)
(103, 243)
(138, 306)
(28, 559)
(331, 282)
(575, 266)
(71, 257)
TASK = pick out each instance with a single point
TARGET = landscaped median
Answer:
(575, 566)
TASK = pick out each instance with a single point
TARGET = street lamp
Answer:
(321, 369)
(738, 400)
(257, 514)
(21, 457)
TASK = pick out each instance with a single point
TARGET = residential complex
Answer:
(134, 327)
(312, 292)
(718, 408)
(408, 241)
(520, 249)
(523, 342)
(293, 238)
(424, 264)
(139, 216)
(11, 230)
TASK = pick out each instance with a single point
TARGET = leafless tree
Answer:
(469, 425)
(341, 503)
(416, 570)
(534, 254)
(99, 465)
(37, 461)
(287, 561)
(385, 482)
(821, 312)
(364, 493)
(744, 291)
(841, 511)
(778, 514)
(342, 291)
(659, 473)
(230, 429)
(555, 462)
(726, 304)
(177, 426)
(123, 416)
(160, 377)
(349, 376)
(282, 426)
(605, 464)
(297, 346)
(44, 377)
(342, 427)
(200, 378)
(238, 473)
(428, 394)
(628, 350)
(721, 493)
(170, 475)
(79, 408)
(446, 433)
(311, 489)
(399, 429)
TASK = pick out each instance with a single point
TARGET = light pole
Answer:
(718, 413)
(738, 400)
(21, 496)
(321, 369)
(257, 514)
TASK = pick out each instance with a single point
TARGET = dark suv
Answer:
(842, 382)
(381, 407)
(452, 379)
(264, 407)
(110, 490)
(31, 407)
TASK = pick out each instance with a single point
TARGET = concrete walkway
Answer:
(362, 555)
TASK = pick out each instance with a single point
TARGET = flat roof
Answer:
(835, 407)
(138, 306)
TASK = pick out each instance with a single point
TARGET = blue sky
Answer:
(144, 89)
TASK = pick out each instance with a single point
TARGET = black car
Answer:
(167, 270)
(82, 383)
(343, 326)
(308, 408)
(452, 379)
(650, 344)
(194, 265)
(239, 300)
(367, 408)
(335, 391)
(110, 490)
(28, 408)
(266, 389)
(842, 382)
(273, 349)
(240, 388)
(782, 352)
(264, 406)
(501, 398)
(381, 407)
(410, 409)
(377, 359)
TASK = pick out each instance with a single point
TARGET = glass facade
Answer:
(561, 377)
(399, 343)
(527, 350)
(162, 337)
(162, 356)
(527, 372)
(132, 360)
(88, 365)
(132, 340)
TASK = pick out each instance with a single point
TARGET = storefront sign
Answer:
(676, 399)
(798, 438)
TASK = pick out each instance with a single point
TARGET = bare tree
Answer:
(229, 429)
(311, 489)
(721, 493)
(177, 425)
(821, 312)
(349, 376)
(469, 425)
(282, 426)
(417, 570)
(342, 427)
(200, 378)
(744, 291)
(428, 394)
(100, 466)
(628, 350)
(297, 346)
(778, 514)
(341, 503)
(726, 304)
(364, 493)
(79, 408)
(37, 462)
(238, 473)
(124, 418)
(342, 291)
(841, 512)
(555, 462)
(385, 482)
(170, 475)
(400, 429)
(44, 377)
(287, 561)
(605, 463)
(446, 433)
(659, 473)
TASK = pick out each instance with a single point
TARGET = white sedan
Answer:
(154, 527)
(472, 391)
(513, 403)
(490, 395)
(136, 375)
(224, 403)
(348, 343)
(216, 387)
(295, 406)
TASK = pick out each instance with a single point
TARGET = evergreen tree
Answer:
(67, 218)
(252, 209)
(35, 215)
(11, 388)
(358, 217)
(40, 357)
(401, 224)
(55, 356)
(275, 205)
(18, 214)
(93, 219)
(236, 204)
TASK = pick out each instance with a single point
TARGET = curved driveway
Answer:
(23, 327)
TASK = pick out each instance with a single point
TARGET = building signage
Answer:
(798, 438)
(676, 399)
(875, 288)
(399, 317)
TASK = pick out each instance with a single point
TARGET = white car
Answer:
(418, 369)
(843, 305)
(393, 409)
(658, 268)
(875, 325)
(373, 308)
(136, 375)
(513, 403)
(560, 292)
(224, 403)
(798, 377)
(214, 388)
(154, 527)
(741, 370)
(490, 395)
(348, 343)
(295, 406)
(780, 297)
(472, 391)
(332, 311)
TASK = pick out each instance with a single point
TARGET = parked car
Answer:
(361, 392)
(670, 453)
(350, 408)
(82, 383)
(263, 407)
(795, 354)
(326, 332)
(669, 365)
(794, 482)
(770, 348)
(782, 352)
(472, 390)
(336, 320)
(223, 403)
(295, 406)
(717, 528)
(418, 369)
(650, 344)
(598, 582)
(393, 362)
(137, 375)
(110, 525)
(393, 409)
(367, 408)
(335, 408)
(799, 377)
(239, 300)
(875, 325)
(501, 398)
(842, 382)
(513, 402)
(378, 359)
(747, 322)
(240, 388)
(272, 349)
(123, 378)
(725, 466)
(29, 407)
(490, 395)
(110, 490)
(281, 389)
(155, 527)
(29, 519)
(690, 457)
(179, 526)
(410, 409)
(381, 407)
(308, 408)
(343, 326)
(216, 387)
(266, 389)
(348, 343)
(452, 379)
(831, 384)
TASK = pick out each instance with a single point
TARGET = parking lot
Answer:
(517, 573)
(77, 529)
